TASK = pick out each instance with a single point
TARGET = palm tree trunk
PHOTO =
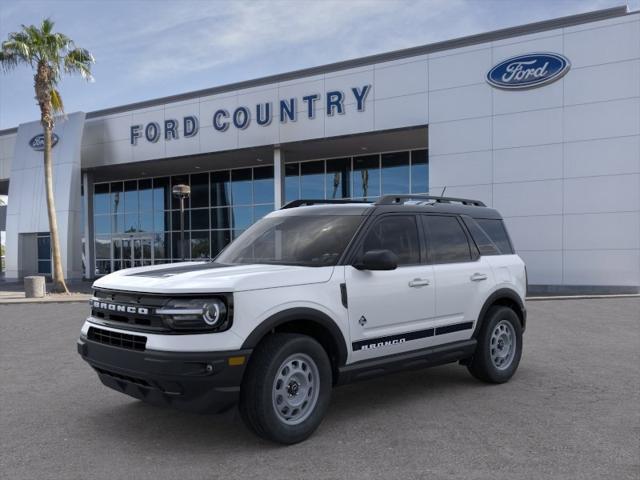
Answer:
(59, 284)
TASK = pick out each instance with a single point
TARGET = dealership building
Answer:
(541, 121)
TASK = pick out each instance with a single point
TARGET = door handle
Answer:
(419, 282)
(477, 277)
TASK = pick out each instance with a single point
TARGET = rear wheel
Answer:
(287, 388)
(499, 346)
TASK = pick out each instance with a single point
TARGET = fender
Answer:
(299, 313)
(502, 293)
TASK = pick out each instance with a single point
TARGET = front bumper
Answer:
(191, 381)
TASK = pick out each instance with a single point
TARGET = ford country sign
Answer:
(528, 71)
(37, 142)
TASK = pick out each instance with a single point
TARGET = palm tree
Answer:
(50, 55)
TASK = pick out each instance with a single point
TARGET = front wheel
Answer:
(499, 346)
(287, 388)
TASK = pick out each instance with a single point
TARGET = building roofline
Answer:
(535, 27)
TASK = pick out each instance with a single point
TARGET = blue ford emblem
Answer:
(528, 71)
(37, 142)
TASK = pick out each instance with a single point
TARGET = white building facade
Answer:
(540, 121)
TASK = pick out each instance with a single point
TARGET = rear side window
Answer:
(483, 242)
(397, 233)
(497, 233)
(447, 241)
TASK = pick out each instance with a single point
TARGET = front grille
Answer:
(117, 339)
(138, 321)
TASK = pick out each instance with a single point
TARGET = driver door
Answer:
(390, 309)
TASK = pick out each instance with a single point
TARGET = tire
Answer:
(286, 389)
(499, 346)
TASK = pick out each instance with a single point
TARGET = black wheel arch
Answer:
(307, 321)
(505, 297)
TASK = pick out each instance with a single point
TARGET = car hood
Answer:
(210, 277)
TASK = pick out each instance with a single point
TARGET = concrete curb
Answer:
(73, 298)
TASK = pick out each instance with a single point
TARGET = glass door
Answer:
(132, 252)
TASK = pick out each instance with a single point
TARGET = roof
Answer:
(371, 59)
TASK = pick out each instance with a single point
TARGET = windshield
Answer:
(313, 240)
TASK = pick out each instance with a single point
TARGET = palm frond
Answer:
(56, 101)
(79, 60)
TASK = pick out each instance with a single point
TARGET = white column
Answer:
(278, 177)
(87, 201)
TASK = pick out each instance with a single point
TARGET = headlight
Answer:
(195, 314)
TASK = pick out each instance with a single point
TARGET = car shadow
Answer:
(165, 428)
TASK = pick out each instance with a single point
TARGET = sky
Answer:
(147, 49)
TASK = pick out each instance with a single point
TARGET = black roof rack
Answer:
(306, 202)
(397, 199)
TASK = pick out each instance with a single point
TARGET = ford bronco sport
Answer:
(316, 294)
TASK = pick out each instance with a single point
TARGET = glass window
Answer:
(397, 233)
(241, 191)
(311, 240)
(260, 211)
(242, 217)
(146, 221)
(395, 172)
(200, 245)
(480, 238)
(102, 224)
(44, 247)
(447, 240)
(103, 247)
(175, 246)
(145, 195)
(103, 267)
(292, 181)
(161, 194)
(366, 177)
(220, 218)
(200, 219)
(161, 242)
(131, 223)
(200, 190)
(312, 180)
(179, 180)
(338, 178)
(117, 192)
(419, 171)
(263, 185)
(219, 240)
(44, 266)
(175, 220)
(101, 199)
(131, 203)
(497, 233)
(161, 221)
(220, 189)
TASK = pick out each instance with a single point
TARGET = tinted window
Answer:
(398, 234)
(484, 243)
(497, 233)
(447, 240)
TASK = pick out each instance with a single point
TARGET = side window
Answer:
(447, 241)
(497, 233)
(398, 233)
(483, 242)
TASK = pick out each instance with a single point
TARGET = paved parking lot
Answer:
(571, 411)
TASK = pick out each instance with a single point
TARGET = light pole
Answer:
(182, 192)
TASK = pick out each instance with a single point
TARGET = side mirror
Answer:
(378, 260)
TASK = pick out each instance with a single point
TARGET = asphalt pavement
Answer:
(572, 411)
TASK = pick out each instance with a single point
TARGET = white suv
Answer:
(316, 294)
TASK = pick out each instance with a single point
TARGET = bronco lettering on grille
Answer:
(113, 307)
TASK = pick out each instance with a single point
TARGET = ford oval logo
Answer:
(528, 71)
(37, 142)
